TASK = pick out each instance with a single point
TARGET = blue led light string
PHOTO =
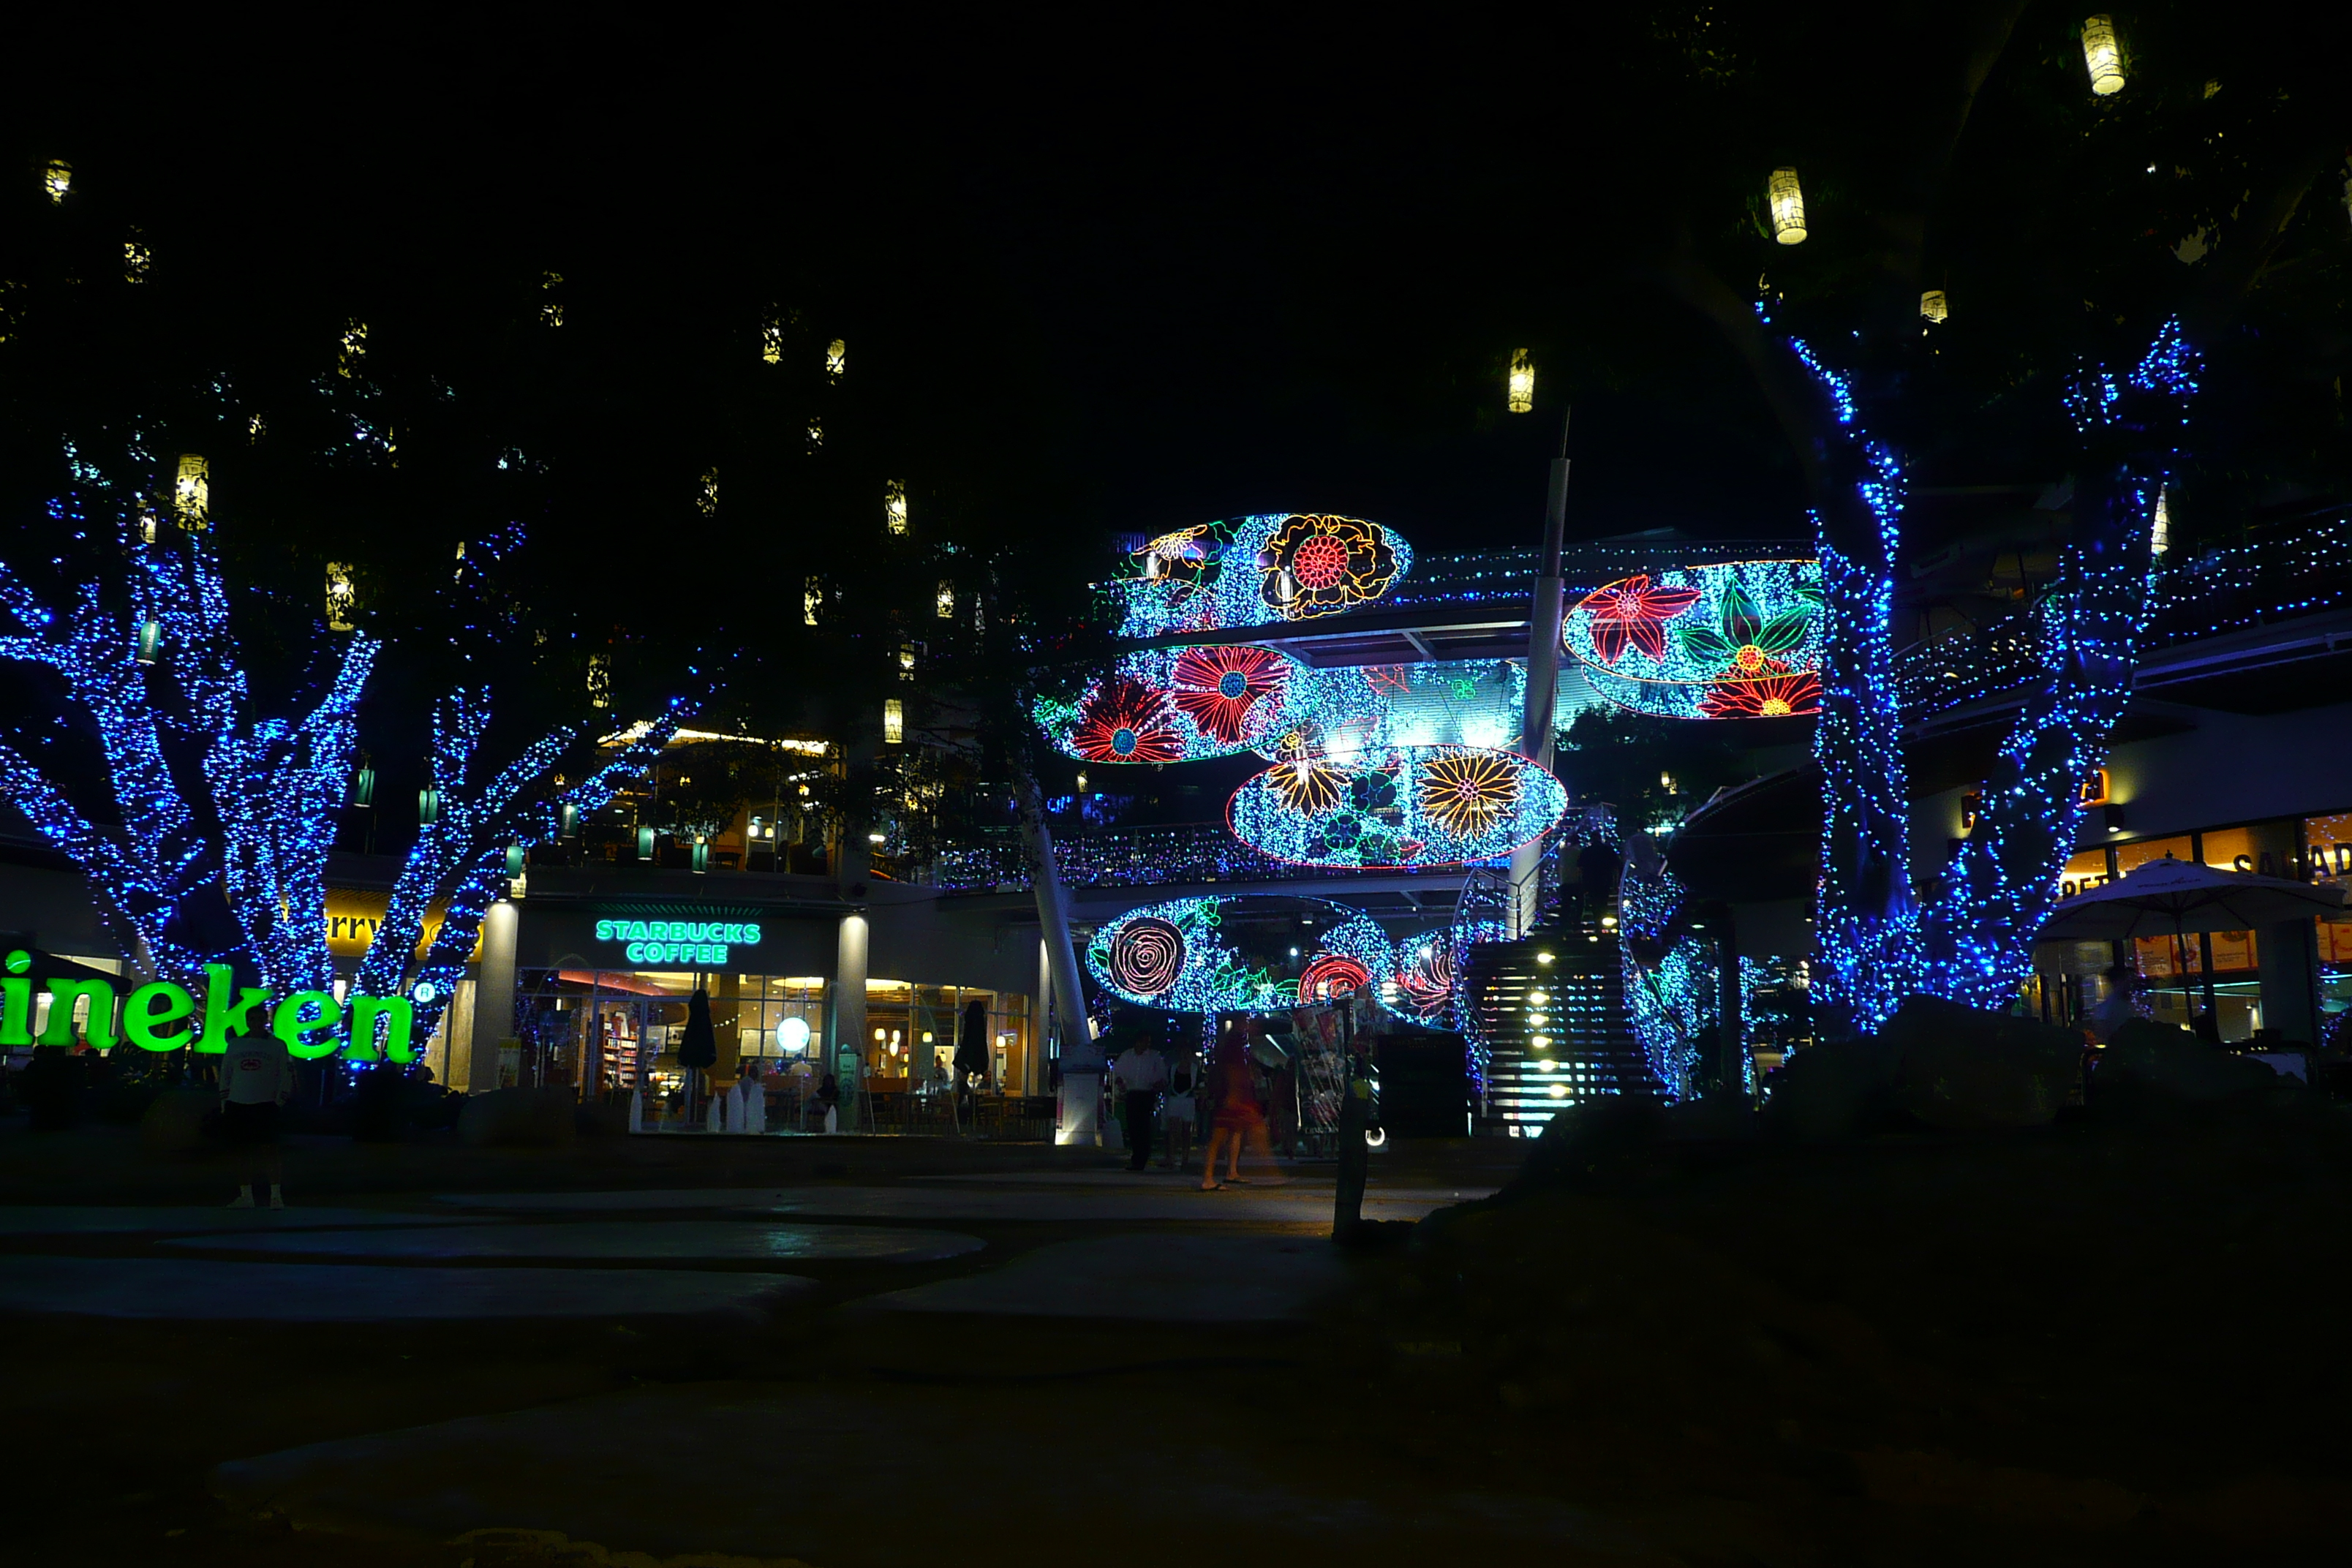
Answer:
(2001, 885)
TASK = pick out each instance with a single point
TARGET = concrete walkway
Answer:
(650, 1241)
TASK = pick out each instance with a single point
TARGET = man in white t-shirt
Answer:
(255, 1077)
(1141, 1072)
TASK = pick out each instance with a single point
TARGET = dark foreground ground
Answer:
(2090, 1345)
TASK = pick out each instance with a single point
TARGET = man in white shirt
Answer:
(255, 1077)
(1140, 1072)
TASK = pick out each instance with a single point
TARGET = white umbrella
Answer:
(2173, 897)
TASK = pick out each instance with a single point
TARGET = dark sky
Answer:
(1210, 274)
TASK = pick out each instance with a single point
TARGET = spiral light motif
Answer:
(1146, 956)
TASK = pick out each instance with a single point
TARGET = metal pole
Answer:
(1081, 1062)
(1543, 679)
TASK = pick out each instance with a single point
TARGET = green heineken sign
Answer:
(163, 1016)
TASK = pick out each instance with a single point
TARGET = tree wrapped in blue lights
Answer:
(460, 858)
(1971, 938)
(205, 837)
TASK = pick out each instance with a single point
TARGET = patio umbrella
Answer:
(2173, 897)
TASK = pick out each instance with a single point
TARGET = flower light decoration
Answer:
(1737, 640)
(1124, 720)
(1267, 570)
(1221, 702)
(1403, 806)
(1422, 987)
(1227, 955)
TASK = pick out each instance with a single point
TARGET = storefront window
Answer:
(2131, 855)
(2084, 873)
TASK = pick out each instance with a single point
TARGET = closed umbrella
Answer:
(2173, 897)
(697, 1043)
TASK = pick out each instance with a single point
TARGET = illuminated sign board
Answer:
(678, 940)
(165, 1017)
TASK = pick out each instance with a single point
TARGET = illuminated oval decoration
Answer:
(1739, 640)
(1266, 570)
(1422, 986)
(1412, 806)
(1234, 954)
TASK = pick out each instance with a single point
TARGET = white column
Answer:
(849, 1014)
(494, 994)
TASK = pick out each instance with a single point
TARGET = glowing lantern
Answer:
(568, 819)
(255, 427)
(708, 499)
(947, 600)
(2159, 537)
(341, 596)
(136, 259)
(893, 722)
(550, 312)
(351, 353)
(836, 360)
(192, 495)
(2102, 55)
(514, 859)
(701, 853)
(1788, 208)
(57, 179)
(815, 433)
(644, 841)
(600, 681)
(1932, 306)
(893, 504)
(1522, 386)
(363, 787)
(771, 342)
(905, 661)
(150, 642)
(811, 597)
(429, 806)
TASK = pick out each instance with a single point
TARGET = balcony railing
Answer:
(2297, 573)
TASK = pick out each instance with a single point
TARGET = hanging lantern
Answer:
(1933, 307)
(341, 596)
(567, 818)
(947, 600)
(514, 859)
(836, 360)
(351, 351)
(2102, 55)
(56, 179)
(771, 340)
(811, 600)
(894, 505)
(893, 722)
(550, 312)
(707, 501)
(1522, 385)
(150, 642)
(815, 433)
(1788, 200)
(2159, 536)
(701, 853)
(600, 681)
(136, 259)
(905, 661)
(192, 493)
(644, 841)
(429, 806)
(363, 788)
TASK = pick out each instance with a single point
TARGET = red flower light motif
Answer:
(1772, 697)
(1125, 721)
(1219, 687)
(1316, 565)
(1428, 981)
(1634, 612)
(1329, 975)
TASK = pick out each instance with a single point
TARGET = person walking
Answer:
(1177, 1113)
(1232, 1086)
(255, 1077)
(1140, 1072)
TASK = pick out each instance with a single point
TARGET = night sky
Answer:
(1194, 291)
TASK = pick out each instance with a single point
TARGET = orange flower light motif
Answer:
(1635, 613)
(1126, 722)
(1772, 697)
(1220, 686)
(1307, 786)
(1467, 792)
(1329, 975)
(1312, 565)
